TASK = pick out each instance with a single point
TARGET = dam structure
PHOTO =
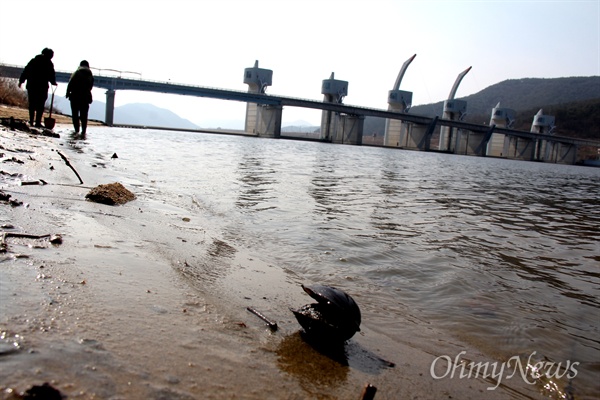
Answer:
(261, 119)
(344, 124)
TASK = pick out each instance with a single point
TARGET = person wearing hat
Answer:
(38, 72)
(79, 92)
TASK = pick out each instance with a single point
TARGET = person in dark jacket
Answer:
(79, 92)
(38, 72)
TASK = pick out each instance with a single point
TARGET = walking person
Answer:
(79, 92)
(38, 72)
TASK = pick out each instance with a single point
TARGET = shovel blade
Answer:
(49, 122)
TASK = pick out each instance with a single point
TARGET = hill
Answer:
(579, 119)
(574, 102)
(523, 94)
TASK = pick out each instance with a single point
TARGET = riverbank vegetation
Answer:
(10, 94)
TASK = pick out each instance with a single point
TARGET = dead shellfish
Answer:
(335, 316)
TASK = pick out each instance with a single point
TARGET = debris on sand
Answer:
(45, 391)
(21, 125)
(55, 239)
(5, 199)
(111, 194)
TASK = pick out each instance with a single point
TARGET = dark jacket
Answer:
(80, 86)
(38, 72)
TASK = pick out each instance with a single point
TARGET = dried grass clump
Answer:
(111, 194)
(11, 95)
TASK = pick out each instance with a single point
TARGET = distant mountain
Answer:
(135, 114)
(298, 122)
(150, 115)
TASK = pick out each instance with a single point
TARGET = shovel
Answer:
(49, 121)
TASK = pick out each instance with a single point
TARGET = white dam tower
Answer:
(454, 110)
(397, 131)
(337, 127)
(261, 119)
(501, 118)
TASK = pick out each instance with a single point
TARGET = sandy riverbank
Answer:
(113, 313)
(23, 114)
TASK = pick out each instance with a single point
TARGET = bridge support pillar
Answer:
(349, 130)
(334, 91)
(519, 148)
(330, 120)
(411, 136)
(417, 137)
(264, 120)
(555, 152)
(470, 143)
(110, 107)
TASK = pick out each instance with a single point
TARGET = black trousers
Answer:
(37, 101)
(79, 113)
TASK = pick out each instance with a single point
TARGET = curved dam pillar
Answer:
(396, 131)
(261, 119)
(454, 110)
(499, 142)
(337, 127)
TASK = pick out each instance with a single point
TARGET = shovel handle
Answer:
(52, 101)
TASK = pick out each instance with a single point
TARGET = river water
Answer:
(504, 255)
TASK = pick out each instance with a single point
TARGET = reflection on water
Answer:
(305, 363)
(255, 183)
(503, 254)
(318, 365)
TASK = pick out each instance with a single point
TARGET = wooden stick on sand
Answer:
(69, 165)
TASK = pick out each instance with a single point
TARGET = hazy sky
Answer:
(365, 42)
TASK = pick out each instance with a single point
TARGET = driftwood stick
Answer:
(24, 235)
(368, 392)
(270, 324)
(54, 239)
(69, 165)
